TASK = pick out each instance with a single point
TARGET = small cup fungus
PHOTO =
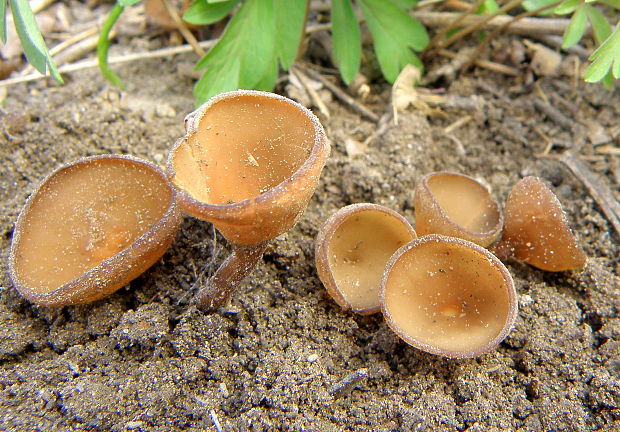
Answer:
(249, 163)
(536, 229)
(91, 227)
(448, 296)
(456, 205)
(352, 249)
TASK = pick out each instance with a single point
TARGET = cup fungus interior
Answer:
(243, 146)
(448, 296)
(84, 214)
(465, 201)
(364, 239)
(537, 229)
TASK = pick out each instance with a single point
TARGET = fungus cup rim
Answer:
(73, 291)
(493, 233)
(226, 212)
(513, 306)
(326, 233)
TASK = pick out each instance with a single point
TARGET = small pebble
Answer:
(312, 358)
(224, 390)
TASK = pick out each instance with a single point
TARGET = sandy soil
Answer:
(146, 359)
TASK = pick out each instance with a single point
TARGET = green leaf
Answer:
(103, 45)
(531, 5)
(31, 39)
(290, 16)
(213, 81)
(487, 6)
(608, 81)
(201, 12)
(613, 3)
(269, 78)
(3, 20)
(406, 4)
(604, 57)
(576, 28)
(566, 7)
(125, 3)
(244, 55)
(346, 37)
(600, 26)
(395, 34)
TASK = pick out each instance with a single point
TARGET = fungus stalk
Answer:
(227, 278)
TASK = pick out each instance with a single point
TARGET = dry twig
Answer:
(341, 95)
(316, 99)
(599, 191)
(187, 35)
(87, 64)
(554, 115)
(524, 27)
(493, 34)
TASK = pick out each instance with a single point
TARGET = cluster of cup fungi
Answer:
(444, 292)
(249, 164)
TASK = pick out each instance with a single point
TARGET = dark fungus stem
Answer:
(233, 270)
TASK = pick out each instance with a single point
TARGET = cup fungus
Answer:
(456, 205)
(536, 229)
(249, 163)
(448, 296)
(352, 249)
(91, 227)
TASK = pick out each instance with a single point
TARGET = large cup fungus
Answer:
(536, 229)
(456, 205)
(352, 249)
(249, 163)
(91, 227)
(448, 296)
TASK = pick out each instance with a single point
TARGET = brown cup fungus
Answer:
(91, 227)
(536, 229)
(448, 296)
(352, 249)
(456, 205)
(249, 163)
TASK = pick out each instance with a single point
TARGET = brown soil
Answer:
(146, 359)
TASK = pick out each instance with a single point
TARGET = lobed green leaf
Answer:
(290, 17)
(606, 56)
(600, 26)
(566, 7)
(31, 39)
(576, 27)
(346, 37)
(244, 55)
(395, 34)
(202, 12)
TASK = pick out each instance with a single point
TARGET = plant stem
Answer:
(104, 45)
(233, 270)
